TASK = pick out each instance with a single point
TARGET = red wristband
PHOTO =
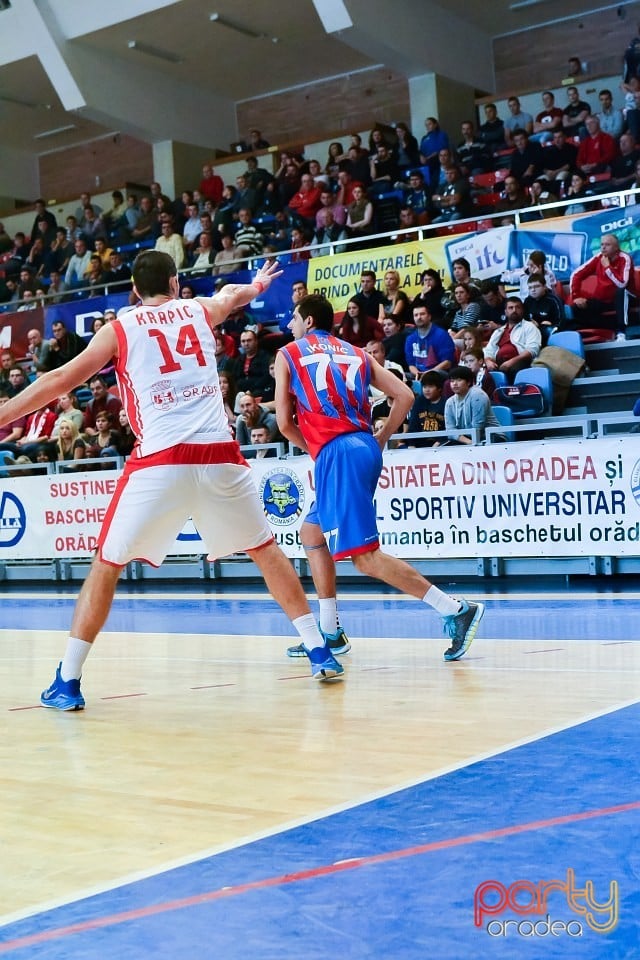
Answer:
(259, 285)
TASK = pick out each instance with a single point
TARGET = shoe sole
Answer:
(67, 708)
(328, 673)
(471, 632)
(297, 651)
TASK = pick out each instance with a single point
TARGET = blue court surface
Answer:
(530, 853)
(553, 617)
(397, 877)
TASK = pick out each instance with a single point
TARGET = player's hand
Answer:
(268, 272)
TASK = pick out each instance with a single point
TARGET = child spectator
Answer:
(474, 360)
(427, 412)
(468, 408)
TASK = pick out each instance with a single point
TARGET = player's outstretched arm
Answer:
(236, 295)
(49, 386)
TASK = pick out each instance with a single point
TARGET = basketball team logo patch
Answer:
(163, 395)
(282, 496)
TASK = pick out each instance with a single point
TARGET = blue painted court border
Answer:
(545, 619)
(406, 907)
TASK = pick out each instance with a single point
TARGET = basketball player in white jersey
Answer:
(185, 463)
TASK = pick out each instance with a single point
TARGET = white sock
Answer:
(441, 602)
(73, 661)
(329, 620)
(308, 630)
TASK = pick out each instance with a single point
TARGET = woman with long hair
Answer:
(356, 327)
(332, 166)
(396, 301)
(359, 214)
(70, 444)
(467, 314)
(408, 152)
(431, 295)
(395, 335)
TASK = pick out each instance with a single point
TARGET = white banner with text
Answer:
(578, 497)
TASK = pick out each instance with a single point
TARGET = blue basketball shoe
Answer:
(337, 642)
(461, 628)
(324, 665)
(63, 694)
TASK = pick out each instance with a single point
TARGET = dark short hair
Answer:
(463, 263)
(316, 306)
(152, 271)
(514, 299)
(432, 379)
(98, 377)
(536, 278)
(461, 373)
(368, 273)
(489, 286)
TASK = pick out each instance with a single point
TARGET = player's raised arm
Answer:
(49, 386)
(235, 295)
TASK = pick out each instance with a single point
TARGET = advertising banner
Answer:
(517, 500)
(338, 277)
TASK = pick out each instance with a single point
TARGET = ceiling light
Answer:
(52, 133)
(245, 31)
(156, 52)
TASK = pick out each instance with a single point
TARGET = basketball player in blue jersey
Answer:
(322, 406)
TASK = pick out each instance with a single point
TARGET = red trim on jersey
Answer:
(111, 509)
(368, 548)
(128, 394)
(189, 453)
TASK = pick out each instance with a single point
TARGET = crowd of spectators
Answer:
(395, 181)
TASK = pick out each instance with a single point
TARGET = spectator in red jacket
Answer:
(598, 150)
(211, 185)
(613, 276)
(305, 203)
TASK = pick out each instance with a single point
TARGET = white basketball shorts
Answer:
(151, 505)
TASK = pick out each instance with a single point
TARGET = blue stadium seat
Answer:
(504, 416)
(569, 340)
(499, 378)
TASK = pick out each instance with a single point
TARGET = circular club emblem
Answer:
(282, 496)
(635, 482)
(13, 520)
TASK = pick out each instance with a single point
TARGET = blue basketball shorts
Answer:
(346, 476)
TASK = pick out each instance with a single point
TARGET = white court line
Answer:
(170, 597)
(303, 821)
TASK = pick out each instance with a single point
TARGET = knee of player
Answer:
(366, 563)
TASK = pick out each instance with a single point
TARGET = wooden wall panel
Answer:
(352, 102)
(115, 159)
(537, 59)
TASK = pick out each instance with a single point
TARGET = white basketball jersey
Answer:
(168, 378)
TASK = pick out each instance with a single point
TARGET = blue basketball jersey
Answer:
(330, 382)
